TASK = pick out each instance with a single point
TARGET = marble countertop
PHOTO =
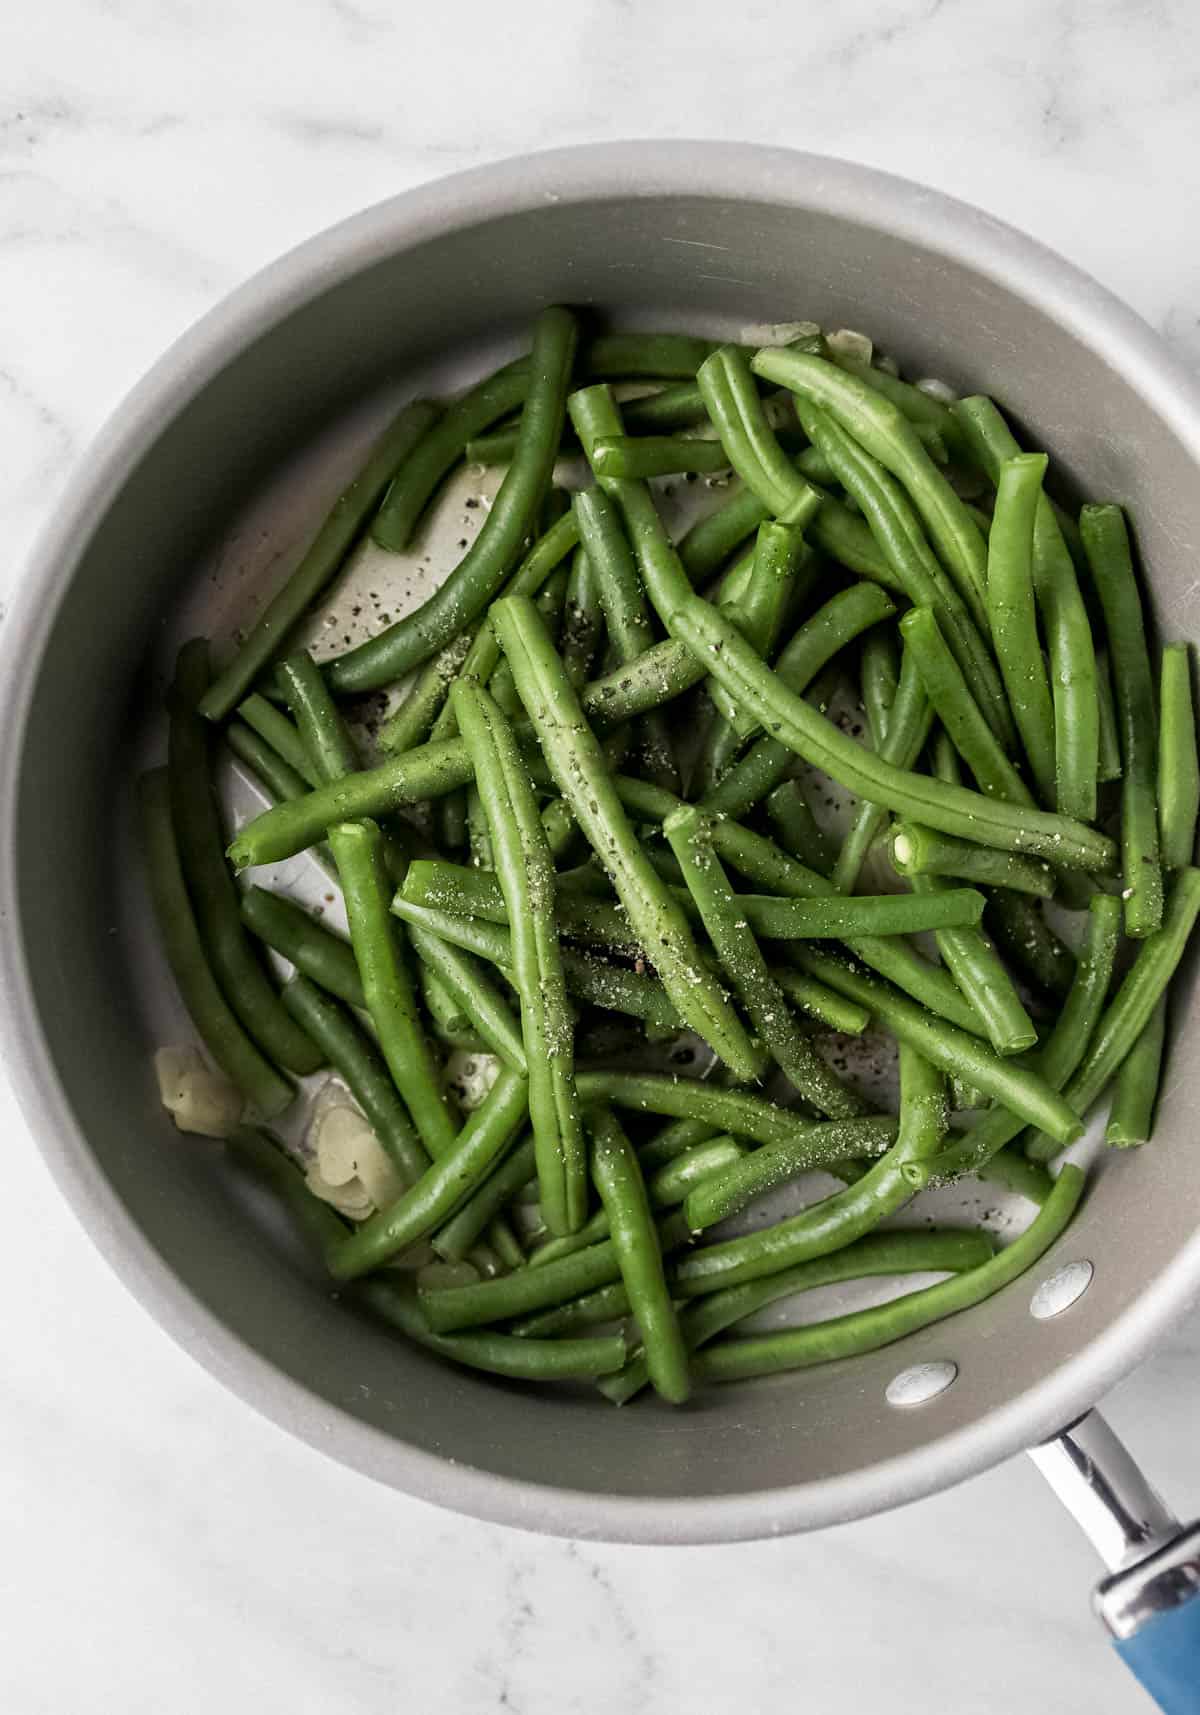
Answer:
(165, 1548)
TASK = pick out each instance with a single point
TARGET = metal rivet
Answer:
(921, 1382)
(1061, 1289)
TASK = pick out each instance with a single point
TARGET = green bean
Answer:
(1108, 766)
(605, 1304)
(953, 1050)
(312, 949)
(1178, 769)
(261, 1153)
(440, 449)
(634, 1239)
(868, 1330)
(214, 897)
(932, 1251)
(913, 566)
(321, 729)
(833, 1011)
(741, 958)
(465, 981)
(922, 410)
(737, 412)
(951, 809)
(677, 407)
(484, 1137)
(920, 851)
(907, 732)
(499, 1354)
(879, 426)
(532, 1289)
(1014, 617)
(842, 618)
(322, 561)
(973, 963)
(734, 1111)
(540, 563)
(780, 553)
(1064, 617)
(827, 1144)
(835, 1221)
(1028, 941)
(959, 713)
(271, 724)
(486, 1202)
(354, 1057)
(642, 456)
(583, 628)
(1131, 1117)
(660, 356)
(479, 574)
(790, 815)
(1130, 1010)
(705, 548)
(448, 1022)
(525, 873)
(1107, 547)
(275, 776)
(413, 721)
(880, 669)
(578, 767)
(210, 1012)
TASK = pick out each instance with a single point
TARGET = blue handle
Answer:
(1165, 1655)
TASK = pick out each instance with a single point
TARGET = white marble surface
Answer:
(163, 1548)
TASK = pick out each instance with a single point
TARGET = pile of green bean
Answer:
(588, 820)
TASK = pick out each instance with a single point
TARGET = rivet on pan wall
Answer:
(921, 1382)
(1061, 1289)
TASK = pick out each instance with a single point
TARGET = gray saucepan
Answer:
(271, 393)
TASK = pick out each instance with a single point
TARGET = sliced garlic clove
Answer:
(199, 1099)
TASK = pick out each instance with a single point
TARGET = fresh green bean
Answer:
(578, 766)
(323, 559)
(868, 1330)
(1131, 1117)
(605, 1304)
(907, 732)
(531, 1289)
(705, 548)
(827, 1144)
(659, 356)
(277, 779)
(322, 731)
(233, 961)
(922, 410)
(1130, 1010)
(397, 1303)
(674, 1139)
(413, 721)
(736, 410)
(914, 568)
(1013, 614)
(920, 851)
(485, 1136)
(635, 1241)
(463, 978)
(355, 1059)
(948, 1048)
(842, 618)
(741, 958)
(735, 1111)
(959, 713)
(833, 1011)
(271, 724)
(903, 1149)
(642, 456)
(879, 426)
(486, 1202)
(216, 1024)
(1064, 618)
(880, 671)
(790, 815)
(951, 809)
(932, 1251)
(525, 873)
(1028, 942)
(314, 950)
(1108, 765)
(583, 626)
(1107, 547)
(448, 1022)
(479, 574)
(973, 963)
(1178, 769)
(780, 552)
(440, 449)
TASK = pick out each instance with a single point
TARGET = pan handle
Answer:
(1150, 1600)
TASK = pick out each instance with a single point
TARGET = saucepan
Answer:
(193, 498)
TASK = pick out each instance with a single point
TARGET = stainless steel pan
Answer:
(250, 419)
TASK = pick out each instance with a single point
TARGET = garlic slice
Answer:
(198, 1098)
